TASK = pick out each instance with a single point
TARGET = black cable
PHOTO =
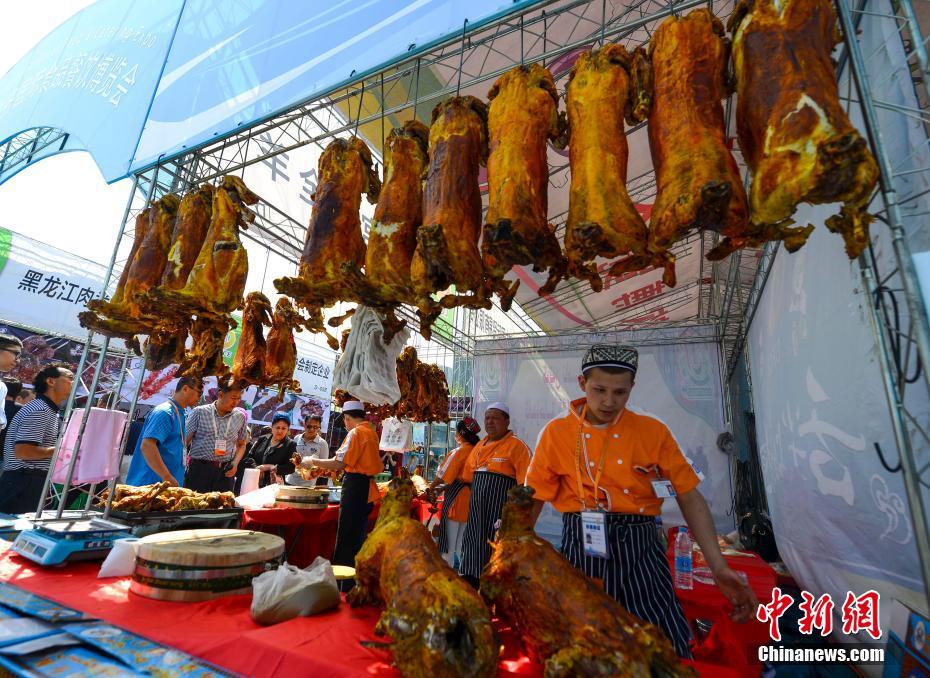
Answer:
(881, 458)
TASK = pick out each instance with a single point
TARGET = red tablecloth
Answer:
(729, 643)
(222, 632)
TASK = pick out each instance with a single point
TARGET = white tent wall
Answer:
(678, 383)
(841, 520)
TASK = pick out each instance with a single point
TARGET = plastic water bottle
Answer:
(683, 574)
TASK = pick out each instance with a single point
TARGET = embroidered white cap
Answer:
(500, 406)
(353, 406)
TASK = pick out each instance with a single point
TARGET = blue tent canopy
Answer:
(132, 81)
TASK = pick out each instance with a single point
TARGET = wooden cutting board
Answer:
(192, 565)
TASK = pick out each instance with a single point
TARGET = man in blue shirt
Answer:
(159, 454)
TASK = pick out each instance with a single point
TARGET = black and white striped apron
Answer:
(636, 574)
(488, 494)
(449, 495)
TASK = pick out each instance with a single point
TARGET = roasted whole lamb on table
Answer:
(437, 623)
(605, 86)
(566, 620)
(281, 354)
(334, 236)
(447, 243)
(249, 361)
(698, 182)
(792, 129)
(161, 497)
(522, 117)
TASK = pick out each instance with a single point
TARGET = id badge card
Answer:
(219, 447)
(594, 534)
(663, 488)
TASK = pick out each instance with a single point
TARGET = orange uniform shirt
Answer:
(633, 440)
(508, 456)
(359, 452)
(453, 469)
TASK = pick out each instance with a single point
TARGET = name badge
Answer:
(219, 447)
(594, 534)
(663, 488)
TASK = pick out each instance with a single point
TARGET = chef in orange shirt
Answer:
(495, 465)
(360, 458)
(456, 492)
(608, 469)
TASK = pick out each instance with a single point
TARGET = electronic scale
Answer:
(55, 542)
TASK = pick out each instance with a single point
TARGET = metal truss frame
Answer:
(727, 292)
(902, 333)
(29, 147)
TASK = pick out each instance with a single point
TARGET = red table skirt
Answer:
(307, 533)
(222, 631)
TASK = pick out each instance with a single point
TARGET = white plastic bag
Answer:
(257, 499)
(396, 435)
(289, 592)
(121, 560)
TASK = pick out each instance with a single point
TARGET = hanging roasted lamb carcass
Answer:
(522, 117)
(166, 340)
(566, 620)
(208, 339)
(793, 131)
(122, 316)
(397, 218)
(447, 242)
(249, 362)
(334, 236)
(605, 86)
(698, 181)
(190, 231)
(438, 624)
(281, 354)
(216, 281)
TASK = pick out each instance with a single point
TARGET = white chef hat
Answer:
(502, 406)
(353, 406)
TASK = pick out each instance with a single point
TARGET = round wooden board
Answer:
(177, 596)
(220, 548)
(343, 572)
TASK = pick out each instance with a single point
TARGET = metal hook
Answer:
(382, 115)
(458, 86)
(521, 40)
(603, 20)
(361, 99)
(416, 90)
(545, 36)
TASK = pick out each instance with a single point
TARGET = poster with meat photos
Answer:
(41, 349)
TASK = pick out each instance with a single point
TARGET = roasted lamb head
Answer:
(792, 129)
(438, 624)
(522, 117)
(281, 354)
(334, 236)
(565, 619)
(604, 87)
(698, 182)
(249, 362)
